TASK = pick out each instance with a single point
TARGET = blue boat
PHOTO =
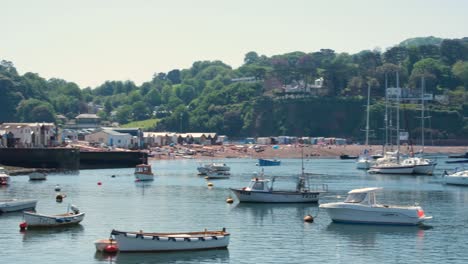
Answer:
(268, 162)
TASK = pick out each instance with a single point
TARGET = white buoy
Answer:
(57, 188)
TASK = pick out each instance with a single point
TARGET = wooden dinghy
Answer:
(33, 219)
(140, 241)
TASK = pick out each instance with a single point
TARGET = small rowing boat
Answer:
(141, 241)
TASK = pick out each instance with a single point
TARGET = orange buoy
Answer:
(111, 249)
(309, 219)
(23, 226)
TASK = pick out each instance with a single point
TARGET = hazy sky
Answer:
(91, 41)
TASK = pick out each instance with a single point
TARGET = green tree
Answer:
(124, 114)
(460, 70)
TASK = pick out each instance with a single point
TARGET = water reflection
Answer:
(262, 210)
(361, 235)
(204, 256)
(33, 235)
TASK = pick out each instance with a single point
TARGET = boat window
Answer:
(258, 186)
(355, 198)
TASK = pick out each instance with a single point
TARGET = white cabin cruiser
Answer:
(457, 178)
(361, 207)
(261, 191)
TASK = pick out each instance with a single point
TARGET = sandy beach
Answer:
(293, 151)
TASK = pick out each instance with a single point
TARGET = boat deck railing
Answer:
(318, 187)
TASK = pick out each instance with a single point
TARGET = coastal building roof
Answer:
(87, 116)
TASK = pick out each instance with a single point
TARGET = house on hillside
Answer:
(28, 135)
(84, 121)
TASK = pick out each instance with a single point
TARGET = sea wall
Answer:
(58, 158)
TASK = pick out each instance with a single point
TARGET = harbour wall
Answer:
(70, 158)
(57, 158)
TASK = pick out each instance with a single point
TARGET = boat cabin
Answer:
(259, 185)
(143, 169)
(364, 196)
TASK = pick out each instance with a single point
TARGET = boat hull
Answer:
(363, 164)
(457, 178)
(134, 242)
(392, 169)
(144, 177)
(37, 176)
(373, 215)
(14, 205)
(39, 220)
(267, 162)
(427, 169)
(276, 196)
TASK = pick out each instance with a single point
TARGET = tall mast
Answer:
(386, 113)
(422, 112)
(367, 117)
(398, 117)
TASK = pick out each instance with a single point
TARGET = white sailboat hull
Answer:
(457, 178)
(40, 220)
(427, 169)
(13, 205)
(135, 242)
(392, 169)
(276, 196)
(363, 164)
(374, 215)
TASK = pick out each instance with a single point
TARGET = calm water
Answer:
(179, 200)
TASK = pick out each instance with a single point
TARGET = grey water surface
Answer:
(179, 200)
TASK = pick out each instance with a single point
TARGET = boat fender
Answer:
(23, 226)
(309, 219)
(111, 249)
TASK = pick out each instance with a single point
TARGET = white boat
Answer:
(33, 219)
(143, 173)
(4, 177)
(421, 165)
(457, 178)
(364, 162)
(140, 241)
(361, 207)
(13, 205)
(390, 164)
(37, 176)
(391, 168)
(204, 169)
(261, 191)
(101, 244)
(213, 174)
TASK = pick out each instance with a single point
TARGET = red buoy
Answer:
(111, 249)
(23, 226)
(99, 183)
